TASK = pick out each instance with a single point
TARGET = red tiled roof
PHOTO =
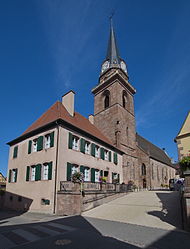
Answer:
(58, 111)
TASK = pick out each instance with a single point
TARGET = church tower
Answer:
(114, 105)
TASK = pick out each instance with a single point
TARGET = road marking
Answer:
(6, 243)
(26, 235)
(67, 228)
(46, 230)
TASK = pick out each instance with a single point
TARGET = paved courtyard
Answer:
(159, 209)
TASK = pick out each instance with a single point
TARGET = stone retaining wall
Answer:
(75, 200)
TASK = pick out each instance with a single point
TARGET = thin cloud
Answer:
(173, 83)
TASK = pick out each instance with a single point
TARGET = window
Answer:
(115, 158)
(86, 174)
(97, 149)
(124, 99)
(41, 142)
(47, 141)
(13, 175)
(34, 145)
(143, 169)
(106, 95)
(87, 147)
(74, 169)
(33, 173)
(97, 175)
(106, 173)
(45, 171)
(106, 102)
(106, 155)
(15, 152)
(75, 143)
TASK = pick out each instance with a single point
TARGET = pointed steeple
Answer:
(113, 51)
(113, 59)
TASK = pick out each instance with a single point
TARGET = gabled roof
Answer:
(152, 150)
(58, 112)
(185, 129)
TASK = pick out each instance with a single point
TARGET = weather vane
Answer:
(111, 16)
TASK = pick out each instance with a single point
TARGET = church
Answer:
(106, 145)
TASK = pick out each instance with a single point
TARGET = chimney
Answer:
(68, 100)
(91, 118)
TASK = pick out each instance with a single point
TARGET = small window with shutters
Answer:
(34, 145)
(75, 143)
(97, 175)
(106, 155)
(86, 174)
(47, 141)
(45, 171)
(13, 175)
(97, 151)
(33, 173)
(15, 152)
(87, 147)
(74, 169)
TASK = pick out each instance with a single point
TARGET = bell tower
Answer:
(113, 100)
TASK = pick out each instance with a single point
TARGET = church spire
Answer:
(113, 59)
(112, 51)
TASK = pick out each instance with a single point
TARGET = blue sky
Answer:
(49, 47)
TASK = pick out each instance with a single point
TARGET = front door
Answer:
(144, 183)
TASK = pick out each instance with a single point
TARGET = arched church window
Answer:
(124, 99)
(106, 99)
(143, 169)
(106, 102)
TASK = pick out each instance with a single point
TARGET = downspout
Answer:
(56, 162)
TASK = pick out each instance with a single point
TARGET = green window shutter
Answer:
(10, 172)
(118, 177)
(69, 170)
(93, 150)
(82, 169)
(16, 173)
(102, 153)
(29, 146)
(70, 143)
(109, 156)
(82, 145)
(101, 172)
(15, 152)
(50, 171)
(52, 139)
(27, 173)
(92, 175)
(115, 158)
(40, 143)
(38, 172)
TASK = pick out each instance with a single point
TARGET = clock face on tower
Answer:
(123, 66)
(105, 66)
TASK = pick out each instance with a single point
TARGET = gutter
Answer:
(56, 162)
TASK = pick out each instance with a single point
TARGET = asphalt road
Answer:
(98, 229)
